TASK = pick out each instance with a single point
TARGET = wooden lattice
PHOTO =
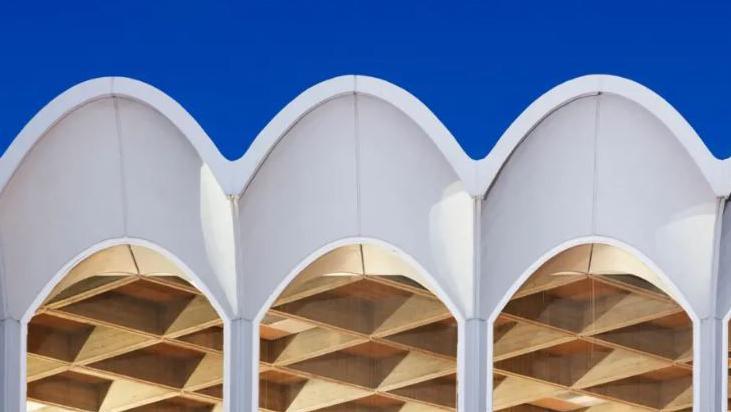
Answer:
(122, 332)
(580, 336)
(354, 333)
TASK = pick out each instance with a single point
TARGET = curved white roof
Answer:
(354, 159)
(477, 175)
(473, 177)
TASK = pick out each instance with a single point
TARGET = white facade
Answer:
(356, 159)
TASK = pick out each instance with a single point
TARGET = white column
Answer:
(11, 374)
(711, 366)
(241, 368)
(475, 390)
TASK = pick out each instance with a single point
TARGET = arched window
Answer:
(593, 330)
(124, 331)
(355, 331)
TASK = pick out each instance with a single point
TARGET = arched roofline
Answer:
(716, 172)
(100, 88)
(477, 176)
(247, 166)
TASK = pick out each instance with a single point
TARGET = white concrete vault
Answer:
(353, 159)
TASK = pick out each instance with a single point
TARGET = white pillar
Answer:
(11, 374)
(474, 394)
(240, 376)
(711, 366)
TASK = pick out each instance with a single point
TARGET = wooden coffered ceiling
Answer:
(122, 332)
(352, 333)
(576, 337)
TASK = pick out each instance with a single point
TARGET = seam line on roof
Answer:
(356, 136)
(716, 255)
(595, 170)
(3, 281)
(476, 256)
(233, 208)
(120, 150)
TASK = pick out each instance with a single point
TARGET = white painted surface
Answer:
(63, 198)
(303, 197)
(651, 195)
(358, 159)
(410, 197)
(170, 197)
(542, 197)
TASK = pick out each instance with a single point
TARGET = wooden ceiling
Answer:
(575, 339)
(123, 332)
(352, 333)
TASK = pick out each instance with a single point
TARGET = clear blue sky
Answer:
(477, 65)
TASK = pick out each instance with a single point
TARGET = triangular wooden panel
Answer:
(122, 332)
(356, 332)
(590, 331)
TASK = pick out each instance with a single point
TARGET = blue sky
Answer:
(477, 65)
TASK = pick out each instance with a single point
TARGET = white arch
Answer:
(191, 276)
(246, 167)
(716, 172)
(429, 281)
(99, 88)
(477, 176)
(670, 286)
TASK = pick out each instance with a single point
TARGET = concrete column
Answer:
(240, 375)
(12, 379)
(711, 366)
(474, 391)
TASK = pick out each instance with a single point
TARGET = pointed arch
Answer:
(124, 325)
(246, 167)
(714, 170)
(100, 88)
(358, 305)
(600, 308)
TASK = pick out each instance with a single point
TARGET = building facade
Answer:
(597, 180)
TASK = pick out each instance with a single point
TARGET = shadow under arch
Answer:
(211, 374)
(425, 281)
(424, 276)
(667, 287)
(190, 275)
